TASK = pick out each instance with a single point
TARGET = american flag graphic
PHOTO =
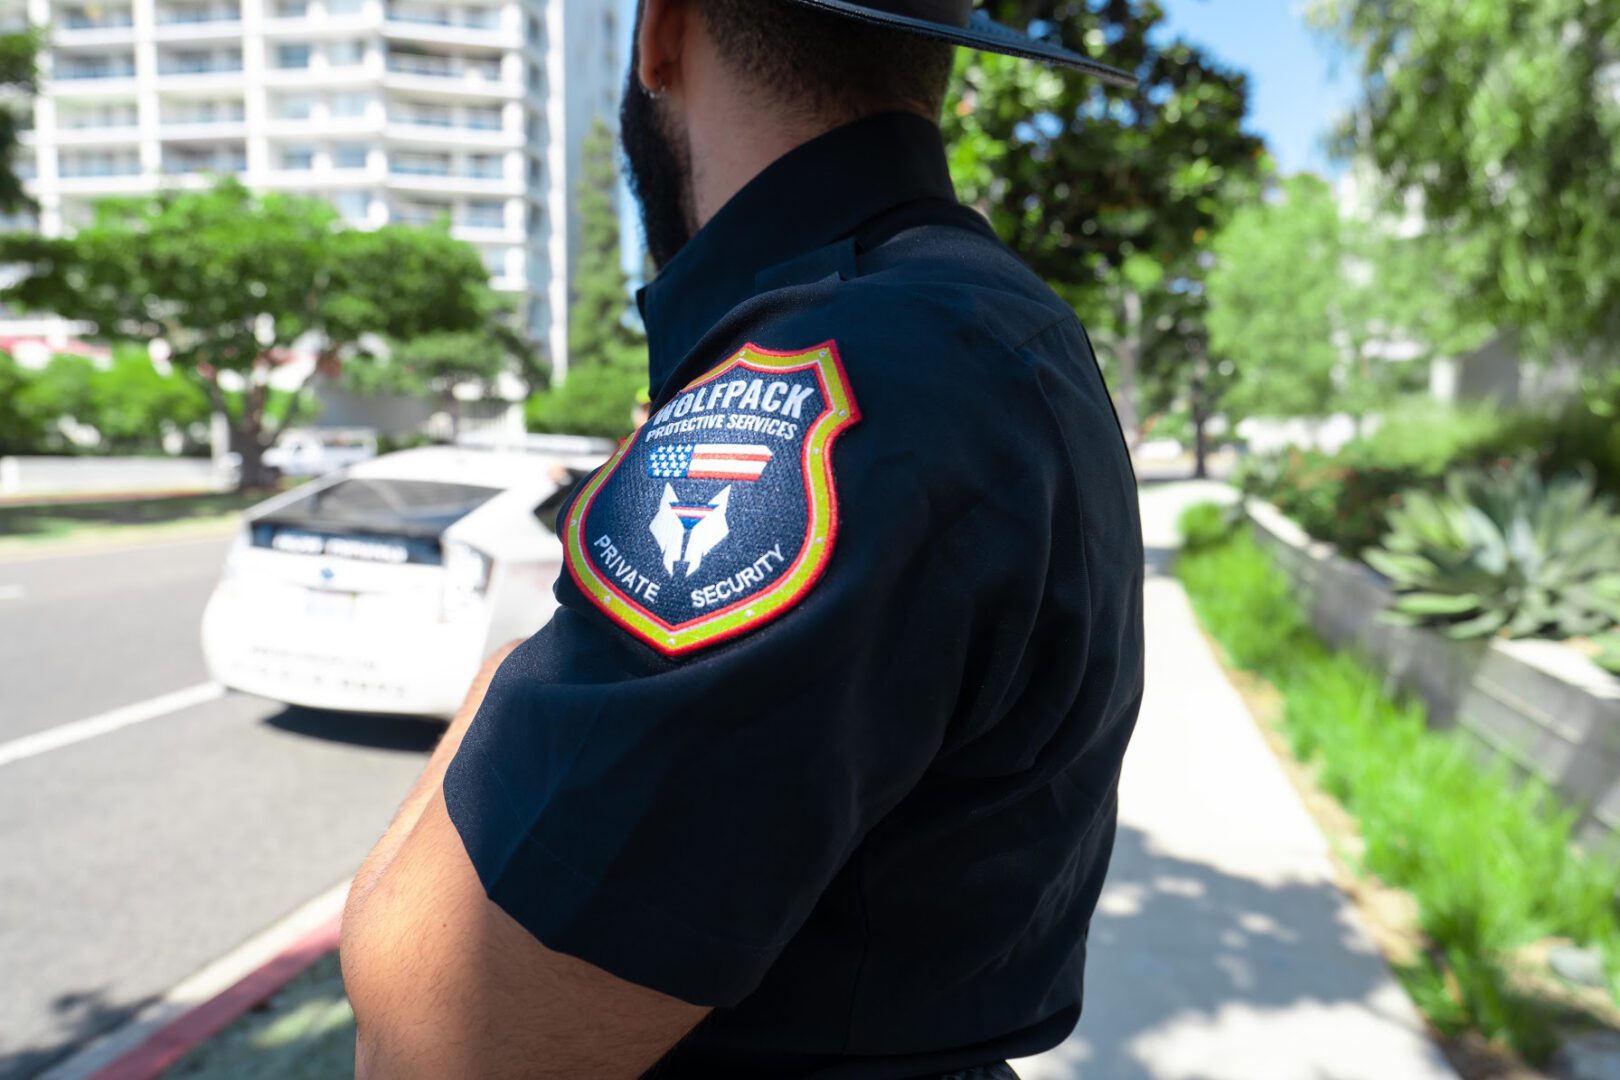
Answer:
(708, 461)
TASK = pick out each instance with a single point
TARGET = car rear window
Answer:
(422, 508)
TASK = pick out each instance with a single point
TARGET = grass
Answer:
(46, 521)
(304, 1032)
(1488, 859)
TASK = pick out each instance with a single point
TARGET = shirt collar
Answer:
(812, 196)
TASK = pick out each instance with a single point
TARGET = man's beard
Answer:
(660, 162)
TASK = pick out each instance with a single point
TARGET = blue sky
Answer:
(1296, 87)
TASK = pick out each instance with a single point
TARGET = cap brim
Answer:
(981, 32)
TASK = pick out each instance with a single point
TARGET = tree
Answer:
(135, 405)
(439, 363)
(1272, 291)
(1503, 118)
(1309, 302)
(18, 79)
(232, 281)
(21, 431)
(1104, 191)
(607, 357)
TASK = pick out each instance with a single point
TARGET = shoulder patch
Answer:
(720, 513)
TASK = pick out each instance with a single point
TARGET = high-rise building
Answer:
(392, 110)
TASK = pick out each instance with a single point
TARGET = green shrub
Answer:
(1204, 525)
(1503, 550)
(1428, 440)
(1489, 861)
(1608, 656)
(1346, 505)
(1345, 498)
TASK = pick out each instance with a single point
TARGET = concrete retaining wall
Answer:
(1538, 704)
(65, 475)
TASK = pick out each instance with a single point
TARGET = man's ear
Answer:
(661, 42)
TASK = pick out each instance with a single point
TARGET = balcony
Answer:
(443, 67)
(98, 19)
(435, 76)
(198, 65)
(190, 13)
(83, 168)
(91, 72)
(431, 24)
(204, 166)
(466, 18)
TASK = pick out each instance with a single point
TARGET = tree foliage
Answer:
(129, 403)
(21, 431)
(18, 79)
(232, 281)
(1104, 191)
(1277, 275)
(1320, 310)
(607, 357)
(1504, 117)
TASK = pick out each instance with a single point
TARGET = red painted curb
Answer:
(190, 1030)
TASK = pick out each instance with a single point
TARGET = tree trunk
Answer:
(1200, 409)
(1130, 345)
(251, 438)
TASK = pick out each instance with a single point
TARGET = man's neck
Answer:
(735, 145)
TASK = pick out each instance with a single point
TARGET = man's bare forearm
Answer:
(422, 792)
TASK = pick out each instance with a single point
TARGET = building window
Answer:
(484, 118)
(348, 155)
(495, 261)
(294, 106)
(344, 7)
(100, 163)
(421, 213)
(350, 104)
(355, 206)
(484, 166)
(291, 9)
(420, 164)
(298, 158)
(291, 55)
(345, 53)
(485, 214)
(202, 112)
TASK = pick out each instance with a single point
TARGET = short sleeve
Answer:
(673, 820)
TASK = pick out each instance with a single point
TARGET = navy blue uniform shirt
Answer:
(827, 730)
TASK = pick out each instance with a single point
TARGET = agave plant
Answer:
(1503, 551)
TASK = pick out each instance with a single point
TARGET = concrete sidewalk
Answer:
(1222, 949)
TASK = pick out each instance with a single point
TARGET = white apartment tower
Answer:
(393, 110)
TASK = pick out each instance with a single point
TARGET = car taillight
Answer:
(466, 575)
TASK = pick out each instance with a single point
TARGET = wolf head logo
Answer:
(691, 530)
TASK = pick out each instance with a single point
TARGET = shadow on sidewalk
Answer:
(1197, 974)
(83, 1015)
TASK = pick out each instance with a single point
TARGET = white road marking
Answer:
(12, 592)
(206, 984)
(42, 742)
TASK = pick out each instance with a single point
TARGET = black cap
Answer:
(955, 22)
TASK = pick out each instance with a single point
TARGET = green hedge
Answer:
(1345, 498)
(1489, 859)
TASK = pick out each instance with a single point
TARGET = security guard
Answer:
(813, 774)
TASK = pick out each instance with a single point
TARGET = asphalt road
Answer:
(132, 859)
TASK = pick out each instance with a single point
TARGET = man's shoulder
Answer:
(923, 320)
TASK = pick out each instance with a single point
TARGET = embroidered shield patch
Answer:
(720, 513)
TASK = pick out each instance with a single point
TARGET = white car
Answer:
(315, 452)
(381, 588)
